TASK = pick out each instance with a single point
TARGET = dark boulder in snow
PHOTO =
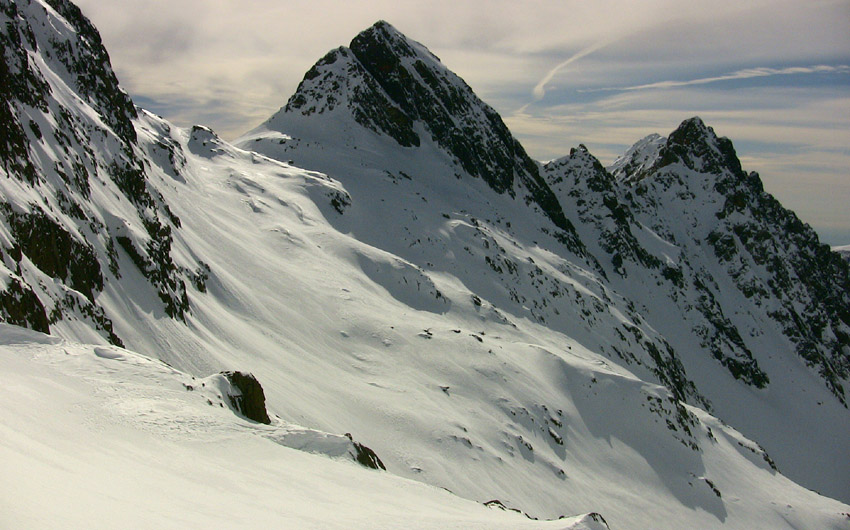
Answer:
(365, 456)
(250, 401)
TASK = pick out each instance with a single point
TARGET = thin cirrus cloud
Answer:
(747, 73)
(539, 90)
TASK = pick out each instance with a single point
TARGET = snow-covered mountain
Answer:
(392, 86)
(79, 189)
(553, 338)
(683, 231)
(650, 246)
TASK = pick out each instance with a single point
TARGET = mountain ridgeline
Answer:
(387, 259)
(690, 189)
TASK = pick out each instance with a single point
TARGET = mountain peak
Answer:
(382, 30)
(695, 123)
(638, 159)
(695, 145)
(381, 25)
(396, 87)
(383, 43)
(692, 133)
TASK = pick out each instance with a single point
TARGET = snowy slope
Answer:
(100, 437)
(457, 327)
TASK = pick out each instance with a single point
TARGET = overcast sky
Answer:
(772, 75)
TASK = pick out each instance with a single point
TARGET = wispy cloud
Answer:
(747, 73)
(540, 88)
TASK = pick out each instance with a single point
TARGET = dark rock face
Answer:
(443, 102)
(95, 80)
(695, 145)
(53, 250)
(458, 120)
(321, 89)
(21, 82)
(21, 307)
(251, 401)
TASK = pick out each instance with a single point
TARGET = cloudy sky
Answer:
(772, 75)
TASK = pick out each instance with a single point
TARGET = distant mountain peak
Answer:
(579, 165)
(638, 158)
(695, 123)
(744, 228)
(695, 145)
(581, 153)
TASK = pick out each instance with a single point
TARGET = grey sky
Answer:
(772, 75)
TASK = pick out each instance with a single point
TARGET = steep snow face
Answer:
(590, 194)
(638, 158)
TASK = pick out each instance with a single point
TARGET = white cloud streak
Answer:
(540, 89)
(747, 73)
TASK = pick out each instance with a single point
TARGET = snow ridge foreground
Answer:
(99, 436)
